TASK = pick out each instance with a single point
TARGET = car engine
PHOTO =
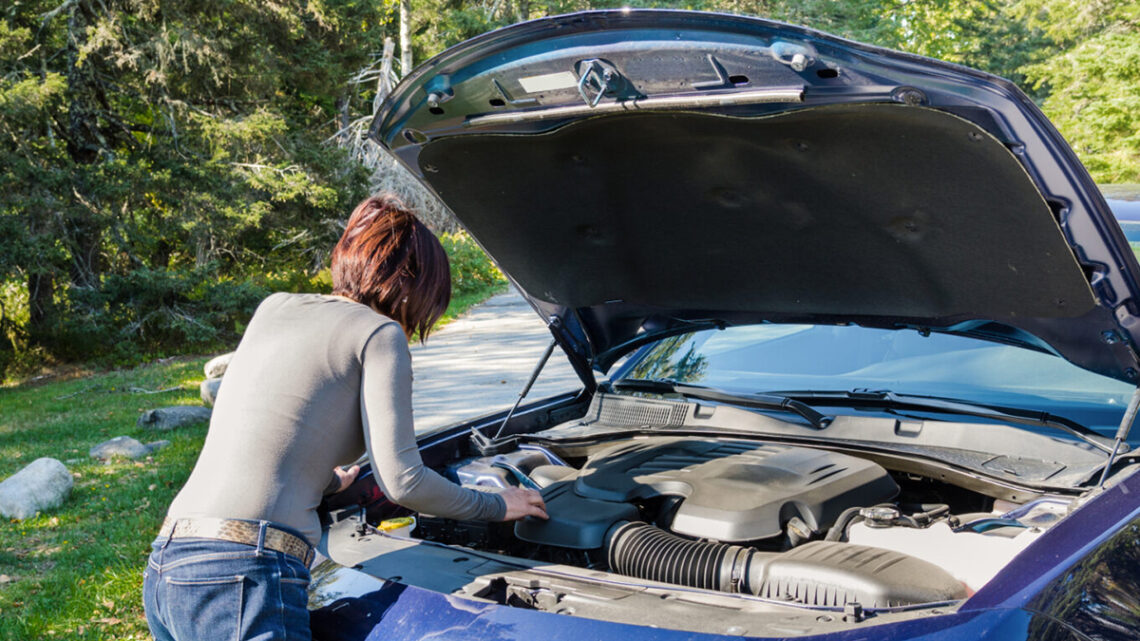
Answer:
(727, 515)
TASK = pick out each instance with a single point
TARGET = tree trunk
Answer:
(405, 37)
(41, 292)
(83, 231)
(82, 121)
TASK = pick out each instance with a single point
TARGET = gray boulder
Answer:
(42, 485)
(216, 366)
(208, 390)
(168, 418)
(124, 446)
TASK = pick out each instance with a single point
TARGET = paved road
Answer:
(478, 363)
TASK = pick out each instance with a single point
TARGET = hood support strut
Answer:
(1122, 433)
(495, 444)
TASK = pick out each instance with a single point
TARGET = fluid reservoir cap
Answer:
(879, 516)
(401, 526)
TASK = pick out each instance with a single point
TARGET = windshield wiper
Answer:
(894, 401)
(758, 401)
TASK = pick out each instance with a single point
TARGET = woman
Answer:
(315, 380)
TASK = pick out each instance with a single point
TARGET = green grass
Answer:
(76, 572)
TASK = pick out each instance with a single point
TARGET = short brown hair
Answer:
(387, 259)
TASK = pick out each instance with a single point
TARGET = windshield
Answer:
(784, 358)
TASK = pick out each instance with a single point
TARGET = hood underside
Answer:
(817, 204)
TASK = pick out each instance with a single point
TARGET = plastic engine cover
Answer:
(731, 491)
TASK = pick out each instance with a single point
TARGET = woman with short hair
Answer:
(315, 381)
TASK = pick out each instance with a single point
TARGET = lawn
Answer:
(76, 572)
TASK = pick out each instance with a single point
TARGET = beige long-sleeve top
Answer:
(316, 380)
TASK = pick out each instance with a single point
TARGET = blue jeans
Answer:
(209, 589)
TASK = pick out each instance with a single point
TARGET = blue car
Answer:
(1124, 200)
(857, 335)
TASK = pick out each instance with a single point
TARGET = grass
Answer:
(76, 572)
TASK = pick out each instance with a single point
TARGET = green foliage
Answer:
(148, 311)
(471, 270)
(1092, 85)
(158, 154)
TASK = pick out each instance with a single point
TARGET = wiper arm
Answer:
(758, 401)
(892, 400)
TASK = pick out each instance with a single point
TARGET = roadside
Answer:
(480, 362)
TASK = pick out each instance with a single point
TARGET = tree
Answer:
(173, 146)
(1092, 84)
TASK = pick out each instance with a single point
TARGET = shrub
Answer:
(147, 312)
(472, 270)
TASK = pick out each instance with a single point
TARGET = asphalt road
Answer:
(479, 362)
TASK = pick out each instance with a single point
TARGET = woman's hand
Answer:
(345, 477)
(522, 502)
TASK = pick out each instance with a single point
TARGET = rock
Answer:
(156, 445)
(209, 390)
(216, 366)
(168, 418)
(124, 446)
(42, 485)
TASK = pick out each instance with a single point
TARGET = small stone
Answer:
(42, 485)
(168, 418)
(216, 366)
(208, 390)
(155, 446)
(124, 446)
(4, 578)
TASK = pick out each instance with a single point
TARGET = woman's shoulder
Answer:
(334, 313)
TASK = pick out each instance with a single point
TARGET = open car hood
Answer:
(644, 173)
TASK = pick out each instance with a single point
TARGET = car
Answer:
(857, 337)
(1124, 200)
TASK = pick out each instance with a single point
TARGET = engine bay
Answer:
(785, 524)
(754, 525)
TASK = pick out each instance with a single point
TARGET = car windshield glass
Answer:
(802, 358)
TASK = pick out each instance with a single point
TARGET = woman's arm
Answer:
(386, 411)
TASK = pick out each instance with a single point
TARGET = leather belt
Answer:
(238, 531)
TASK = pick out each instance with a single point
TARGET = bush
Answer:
(147, 312)
(471, 269)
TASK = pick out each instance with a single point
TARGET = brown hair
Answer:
(388, 260)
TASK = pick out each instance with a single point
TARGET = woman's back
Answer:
(288, 412)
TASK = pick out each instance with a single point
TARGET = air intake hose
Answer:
(647, 552)
(821, 573)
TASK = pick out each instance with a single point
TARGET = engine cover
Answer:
(730, 491)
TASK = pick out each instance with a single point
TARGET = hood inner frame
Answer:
(882, 214)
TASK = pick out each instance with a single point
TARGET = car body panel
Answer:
(1124, 200)
(396, 612)
(480, 89)
(1038, 596)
